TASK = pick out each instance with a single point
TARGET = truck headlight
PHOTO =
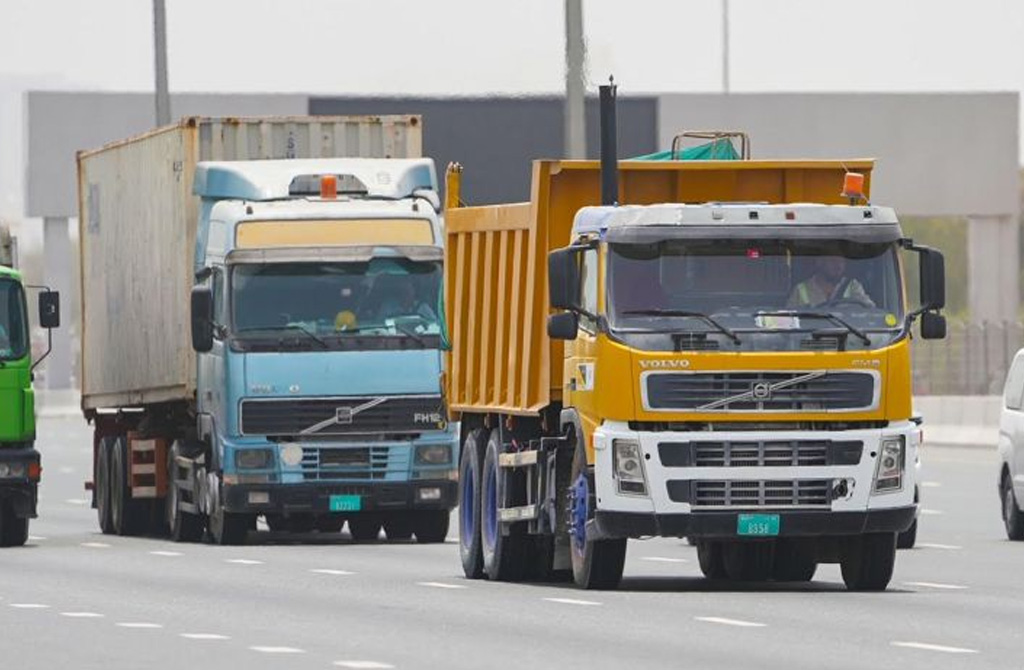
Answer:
(291, 454)
(12, 470)
(892, 460)
(433, 454)
(628, 467)
(253, 459)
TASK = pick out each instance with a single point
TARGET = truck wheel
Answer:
(795, 561)
(431, 526)
(228, 528)
(183, 526)
(364, 527)
(101, 479)
(1012, 517)
(748, 561)
(596, 564)
(469, 505)
(504, 555)
(127, 515)
(13, 529)
(709, 556)
(868, 561)
(908, 538)
(399, 527)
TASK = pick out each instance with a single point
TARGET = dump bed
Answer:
(496, 291)
(138, 219)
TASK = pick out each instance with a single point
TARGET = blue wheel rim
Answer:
(468, 479)
(579, 512)
(490, 491)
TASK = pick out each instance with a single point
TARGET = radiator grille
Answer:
(760, 391)
(760, 453)
(328, 463)
(758, 493)
(320, 417)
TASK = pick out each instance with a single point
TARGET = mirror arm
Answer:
(49, 348)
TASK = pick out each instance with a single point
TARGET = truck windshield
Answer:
(383, 303)
(747, 294)
(13, 321)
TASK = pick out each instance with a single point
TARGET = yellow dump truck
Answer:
(733, 367)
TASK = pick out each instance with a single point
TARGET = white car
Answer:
(1011, 450)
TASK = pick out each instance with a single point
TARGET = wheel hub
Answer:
(579, 512)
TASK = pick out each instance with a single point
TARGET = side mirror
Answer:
(202, 319)
(933, 279)
(933, 326)
(563, 326)
(564, 279)
(49, 309)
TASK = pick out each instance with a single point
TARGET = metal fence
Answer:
(972, 360)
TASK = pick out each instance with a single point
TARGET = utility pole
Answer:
(163, 99)
(575, 90)
(725, 46)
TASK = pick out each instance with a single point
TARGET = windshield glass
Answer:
(13, 321)
(751, 294)
(386, 302)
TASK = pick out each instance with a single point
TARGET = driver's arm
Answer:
(855, 291)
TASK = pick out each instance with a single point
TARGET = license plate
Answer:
(346, 503)
(758, 525)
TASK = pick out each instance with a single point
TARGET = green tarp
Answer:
(718, 150)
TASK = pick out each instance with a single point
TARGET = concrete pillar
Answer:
(993, 268)
(57, 272)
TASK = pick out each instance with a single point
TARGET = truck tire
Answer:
(364, 527)
(399, 527)
(709, 556)
(470, 460)
(431, 526)
(868, 561)
(748, 561)
(1012, 517)
(101, 484)
(504, 555)
(13, 529)
(228, 528)
(183, 526)
(908, 538)
(596, 564)
(794, 561)
(129, 516)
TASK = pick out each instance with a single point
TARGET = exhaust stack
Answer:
(609, 146)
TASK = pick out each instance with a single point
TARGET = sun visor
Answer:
(874, 233)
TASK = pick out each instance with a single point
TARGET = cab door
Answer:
(581, 354)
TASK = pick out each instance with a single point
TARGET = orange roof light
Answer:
(853, 187)
(328, 187)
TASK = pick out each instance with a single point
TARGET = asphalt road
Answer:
(77, 599)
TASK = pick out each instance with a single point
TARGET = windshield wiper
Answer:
(728, 332)
(411, 333)
(822, 315)
(290, 326)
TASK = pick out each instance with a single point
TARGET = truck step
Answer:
(522, 513)
(518, 459)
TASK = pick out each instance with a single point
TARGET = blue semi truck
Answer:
(263, 338)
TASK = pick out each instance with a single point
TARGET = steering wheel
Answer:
(835, 302)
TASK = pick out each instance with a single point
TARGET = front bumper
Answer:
(315, 497)
(721, 525)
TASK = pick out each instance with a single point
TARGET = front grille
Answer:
(319, 417)
(760, 453)
(759, 493)
(326, 463)
(819, 391)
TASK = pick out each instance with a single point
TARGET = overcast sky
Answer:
(480, 46)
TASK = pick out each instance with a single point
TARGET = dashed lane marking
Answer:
(936, 585)
(730, 622)
(82, 615)
(78, 501)
(664, 559)
(571, 601)
(30, 606)
(442, 585)
(931, 485)
(931, 512)
(935, 647)
(95, 545)
(243, 561)
(66, 470)
(204, 636)
(932, 545)
(166, 553)
(278, 650)
(141, 625)
(363, 665)
(331, 571)
(37, 538)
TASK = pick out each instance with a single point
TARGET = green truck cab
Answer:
(19, 461)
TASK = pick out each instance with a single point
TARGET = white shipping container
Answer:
(138, 218)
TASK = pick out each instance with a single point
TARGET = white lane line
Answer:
(931, 512)
(278, 650)
(331, 571)
(66, 470)
(935, 647)
(204, 636)
(166, 553)
(243, 561)
(932, 545)
(936, 585)
(931, 485)
(37, 538)
(78, 501)
(442, 585)
(139, 625)
(571, 601)
(663, 559)
(82, 615)
(30, 606)
(363, 665)
(730, 622)
(95, 545)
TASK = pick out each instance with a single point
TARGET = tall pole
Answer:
(163, 99)
(725, 46)
(575, 54)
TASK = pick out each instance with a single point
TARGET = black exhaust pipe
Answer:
(609, 146)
